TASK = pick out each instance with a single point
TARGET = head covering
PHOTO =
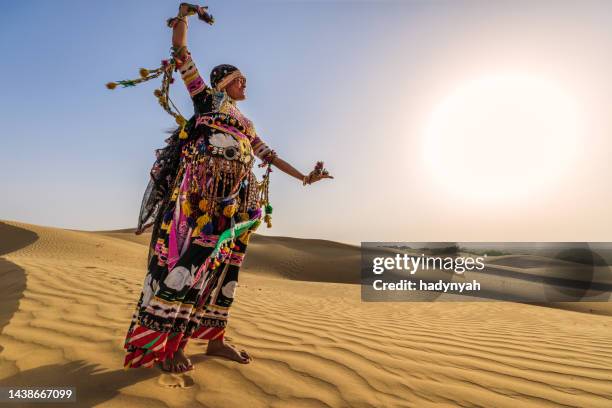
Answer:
(223, 74)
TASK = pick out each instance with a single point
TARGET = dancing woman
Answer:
(203, 202)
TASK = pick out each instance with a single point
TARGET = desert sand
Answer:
(68, 296)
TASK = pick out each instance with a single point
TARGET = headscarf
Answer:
(222, 75)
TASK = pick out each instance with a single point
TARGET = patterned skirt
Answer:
(193, 273)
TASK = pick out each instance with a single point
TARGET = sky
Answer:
(440, 120)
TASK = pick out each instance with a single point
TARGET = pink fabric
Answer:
(179, 232)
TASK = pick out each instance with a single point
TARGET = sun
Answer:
(502, 137)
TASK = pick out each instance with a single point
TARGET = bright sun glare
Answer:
(502, 137)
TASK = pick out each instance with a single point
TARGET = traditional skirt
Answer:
(201, 243)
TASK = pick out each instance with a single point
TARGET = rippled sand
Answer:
(67, 298)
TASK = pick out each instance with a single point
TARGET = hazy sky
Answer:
(359, 85)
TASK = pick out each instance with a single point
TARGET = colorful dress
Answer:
(213, 203)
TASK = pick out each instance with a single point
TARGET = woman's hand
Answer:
(186, 10)
(319, 173)
(313, 178)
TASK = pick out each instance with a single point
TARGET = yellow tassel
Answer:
(186, 208)
(144, 72)
(203, 220)
(157, 93)
(203, 204)
(180, 120)
(230, 210)
(183, 134)
(111, 85)
(244, 238)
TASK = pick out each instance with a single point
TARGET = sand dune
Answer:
(68, 298)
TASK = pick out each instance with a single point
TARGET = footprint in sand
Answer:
(175, 380)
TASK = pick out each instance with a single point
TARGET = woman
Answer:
(205, 202)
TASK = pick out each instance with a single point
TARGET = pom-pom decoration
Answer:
(203, 205)
(162, 94)
(183, 134)
(230, 210)
(268, 220)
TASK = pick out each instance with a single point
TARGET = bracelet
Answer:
(191, 9)
(174, 20)
(305, 180)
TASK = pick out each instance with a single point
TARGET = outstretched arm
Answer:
(287, 168)
(267, 155)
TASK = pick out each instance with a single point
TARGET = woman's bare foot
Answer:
(179, 363)
(222, 349)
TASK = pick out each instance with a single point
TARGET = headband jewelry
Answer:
(228, 78)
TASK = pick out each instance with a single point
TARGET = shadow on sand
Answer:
(12, 277)
(93, 385)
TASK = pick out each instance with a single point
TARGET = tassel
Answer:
(203, 204)
(186, 208)
(230, 210)
(183, 134)
(111, 85)
(268, 220)
(181, 121)
(143, 73)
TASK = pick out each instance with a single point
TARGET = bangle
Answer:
(172, 22)
(306, 180)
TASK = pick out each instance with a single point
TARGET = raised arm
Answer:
(179, 30)
(187, 68)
